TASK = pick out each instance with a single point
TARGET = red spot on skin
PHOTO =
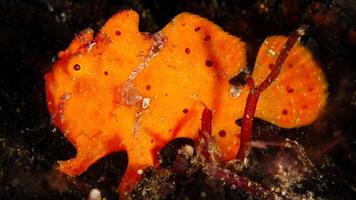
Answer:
(183, 24)
(290, 65)
(305, 106)
(197, 29)
(207, 38)
(118, 33)
(209, 63)
(76, 67)
(222, 133)
(285, 112)
(106, 73)
(187, 51)
(148, 87)
(310, 89)
(289, 89)
(185, 110)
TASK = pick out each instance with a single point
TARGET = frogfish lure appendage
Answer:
(123, 90)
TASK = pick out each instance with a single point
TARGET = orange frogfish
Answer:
(125, 90)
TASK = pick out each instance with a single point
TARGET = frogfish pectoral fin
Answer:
(297, 96)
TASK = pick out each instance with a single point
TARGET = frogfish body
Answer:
(124, 90)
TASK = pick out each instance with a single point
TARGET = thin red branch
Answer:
(255, 91)
(242, 183)
(292, 40)
(247, 120)
(247, 186)
(205, 132)
(206, 124)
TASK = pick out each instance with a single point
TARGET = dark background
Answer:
(32, 32)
